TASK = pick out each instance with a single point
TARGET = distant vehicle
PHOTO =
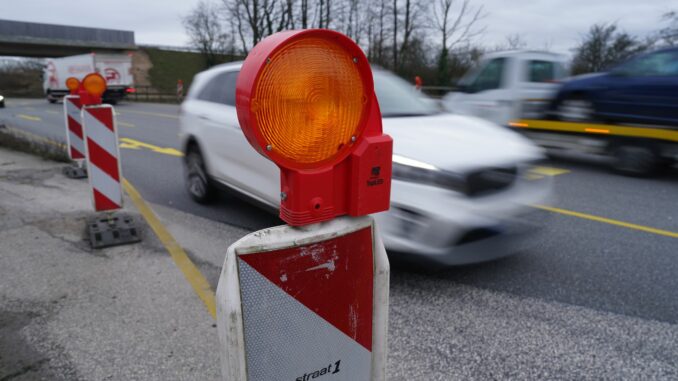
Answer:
(460, 191)
(116, 68)
(641, 90)
(2, 101)
(508, 85)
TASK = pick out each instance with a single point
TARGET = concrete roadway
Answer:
(592, 279)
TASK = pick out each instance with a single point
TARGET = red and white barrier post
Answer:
(103, 157)
(297, 304)
(74, 134)
(103, 163)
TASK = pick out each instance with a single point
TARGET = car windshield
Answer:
(397, 98)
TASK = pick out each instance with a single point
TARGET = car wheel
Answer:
(635, 160)
(576, 109)
(197, 182)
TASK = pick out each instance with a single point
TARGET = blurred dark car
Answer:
(641, 90)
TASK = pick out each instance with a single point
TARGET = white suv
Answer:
(460, 191)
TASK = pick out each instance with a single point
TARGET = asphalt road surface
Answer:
(578, 270)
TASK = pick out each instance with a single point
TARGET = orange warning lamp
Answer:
(305, 100)
(93, 87)
(72, 84)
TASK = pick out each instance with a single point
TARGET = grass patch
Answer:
(33, 144)
(170, 66)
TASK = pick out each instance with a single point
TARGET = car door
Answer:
(645, 89)
(486, 94)
(235, 162)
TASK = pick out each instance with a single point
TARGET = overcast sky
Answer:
(554, 24)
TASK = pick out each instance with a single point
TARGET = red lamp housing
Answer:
(91, 89)
(305, 100)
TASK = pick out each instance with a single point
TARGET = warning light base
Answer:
(294, 301)
(112, 229)
(75, 171)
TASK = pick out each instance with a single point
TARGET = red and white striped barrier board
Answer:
(74, 135)
(103, 156)
(308, 304)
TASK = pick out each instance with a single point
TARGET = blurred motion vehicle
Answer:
(629, 114)
(460, 191)
(641, 90)
(508, 85)
(2, 101)
(116, 68)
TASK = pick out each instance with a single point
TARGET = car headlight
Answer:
(416, 171)
(2, 98)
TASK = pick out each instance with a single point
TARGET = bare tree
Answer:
(457, 25)
(395, 34)
(206, 32)
(377, 33)
(669, 34)
(602, 47)
(514, 42)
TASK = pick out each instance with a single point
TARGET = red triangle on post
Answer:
(333, 278)
(102, 203)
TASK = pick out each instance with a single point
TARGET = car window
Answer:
(542, 71)
(220, 89)
(655, 64)
(398, 98)
(489, 77)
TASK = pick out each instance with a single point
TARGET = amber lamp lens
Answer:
(309, 101)
(72, 83)
(94, 84)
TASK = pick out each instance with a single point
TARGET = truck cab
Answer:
(508, 85)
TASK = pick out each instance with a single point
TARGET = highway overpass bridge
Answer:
(28, 39)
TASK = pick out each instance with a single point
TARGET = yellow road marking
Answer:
(125, 124)
(135, 144)
(536, 173)
(29, 117)
(642, 132)
(153, 114)
(129, 146)
(194, 277)
(549, 171)
(610, 221)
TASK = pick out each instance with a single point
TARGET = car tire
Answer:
(575, 109)
(635, 161)
(197, 181)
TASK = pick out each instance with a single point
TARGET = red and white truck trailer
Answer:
(116, 68)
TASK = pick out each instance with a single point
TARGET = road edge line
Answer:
(610, 221)
(192, 274)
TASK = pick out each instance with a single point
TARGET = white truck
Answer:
(508, 85)
(116, 68)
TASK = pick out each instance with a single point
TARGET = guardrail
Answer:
(437, 91)
(153, 94)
